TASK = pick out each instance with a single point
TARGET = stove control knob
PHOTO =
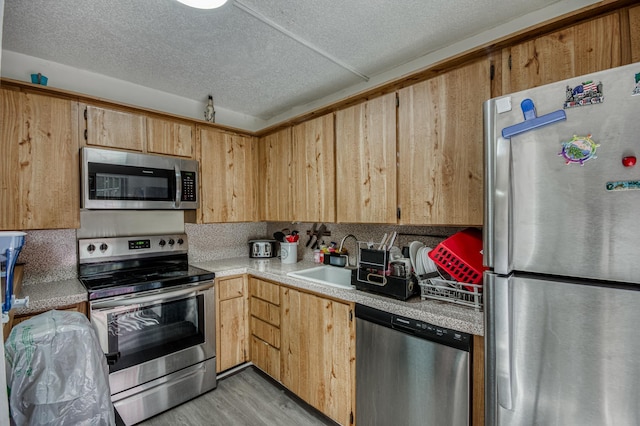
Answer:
(171, 242)
(103, 247)
(180, 241)
(162, 243)
(91, 248)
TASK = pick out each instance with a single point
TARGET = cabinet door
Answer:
(39, 173)
(634, 26)
(318, 352)
(366, 162)
(227, 163)
(275, 176)
(314, 171)
(265, 326)
(265, 357)
(115, 129)
(580, 49)
(232, 330)
(440, 142)
(170, 137)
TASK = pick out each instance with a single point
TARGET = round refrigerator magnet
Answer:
(579, 149)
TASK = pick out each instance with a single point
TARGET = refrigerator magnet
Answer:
(587, 93)
(623, 185)
(636, 90)
(579, 149)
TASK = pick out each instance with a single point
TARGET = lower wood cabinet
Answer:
(232, 343)
(265, 326)
(477, 380)
(15, 320)
(318, 352)
(307, 342)
(265, 357)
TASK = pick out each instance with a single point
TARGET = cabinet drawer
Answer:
(265, 357)
(229, 288)
(266, 332)
(265, 311)
(265, 290)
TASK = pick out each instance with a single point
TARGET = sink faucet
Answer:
(342, 245)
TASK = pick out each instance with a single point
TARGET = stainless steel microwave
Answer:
(125, 180)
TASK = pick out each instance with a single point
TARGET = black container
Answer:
(396, 287)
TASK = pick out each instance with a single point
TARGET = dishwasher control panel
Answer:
(424, 329)
(421, 329)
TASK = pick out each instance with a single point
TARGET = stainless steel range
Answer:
(155, 318)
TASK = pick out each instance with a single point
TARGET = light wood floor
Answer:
(247, 398)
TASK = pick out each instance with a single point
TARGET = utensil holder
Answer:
(289, 252)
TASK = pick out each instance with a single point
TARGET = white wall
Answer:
(20, 67)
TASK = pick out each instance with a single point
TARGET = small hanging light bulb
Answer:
(209, 112)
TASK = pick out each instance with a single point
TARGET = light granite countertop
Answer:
(57, 294)
(443, 314)
(51, 295)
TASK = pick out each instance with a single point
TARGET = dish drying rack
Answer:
(439, 288)
(461, 257)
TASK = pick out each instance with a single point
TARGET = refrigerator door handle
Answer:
(502, 204)
(497, 187)
(489, 181)
(506, 388)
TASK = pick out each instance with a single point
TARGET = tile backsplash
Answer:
(51, 255)
(222, 240)
(429, 235)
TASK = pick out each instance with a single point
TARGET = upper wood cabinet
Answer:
(440, 147)
(170, 137)
(39, 159)
(122, 129)
(634, 28)
(112, 128)
(228, 176)
(275, 174)
(580, 49)
(318, 352)
(366, 162)
(314, 171)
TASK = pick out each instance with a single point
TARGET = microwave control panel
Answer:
(188, 186)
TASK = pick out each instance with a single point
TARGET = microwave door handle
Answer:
(176, 203)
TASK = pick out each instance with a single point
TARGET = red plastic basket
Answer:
(461, 256)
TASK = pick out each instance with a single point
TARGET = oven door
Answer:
(152, 334)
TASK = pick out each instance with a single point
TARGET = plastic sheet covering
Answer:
(57, 373)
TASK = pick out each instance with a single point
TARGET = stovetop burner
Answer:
(118, 266)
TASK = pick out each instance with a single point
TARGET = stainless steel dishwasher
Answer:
(410, 372)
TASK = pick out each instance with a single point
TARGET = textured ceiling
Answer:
(257, 57)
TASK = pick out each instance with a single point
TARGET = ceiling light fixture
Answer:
(203, 4)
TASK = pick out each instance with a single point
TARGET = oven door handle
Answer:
(155, 297)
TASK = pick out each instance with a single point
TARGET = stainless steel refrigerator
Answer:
(562, 241)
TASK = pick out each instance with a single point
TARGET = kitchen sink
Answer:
(327, 275)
